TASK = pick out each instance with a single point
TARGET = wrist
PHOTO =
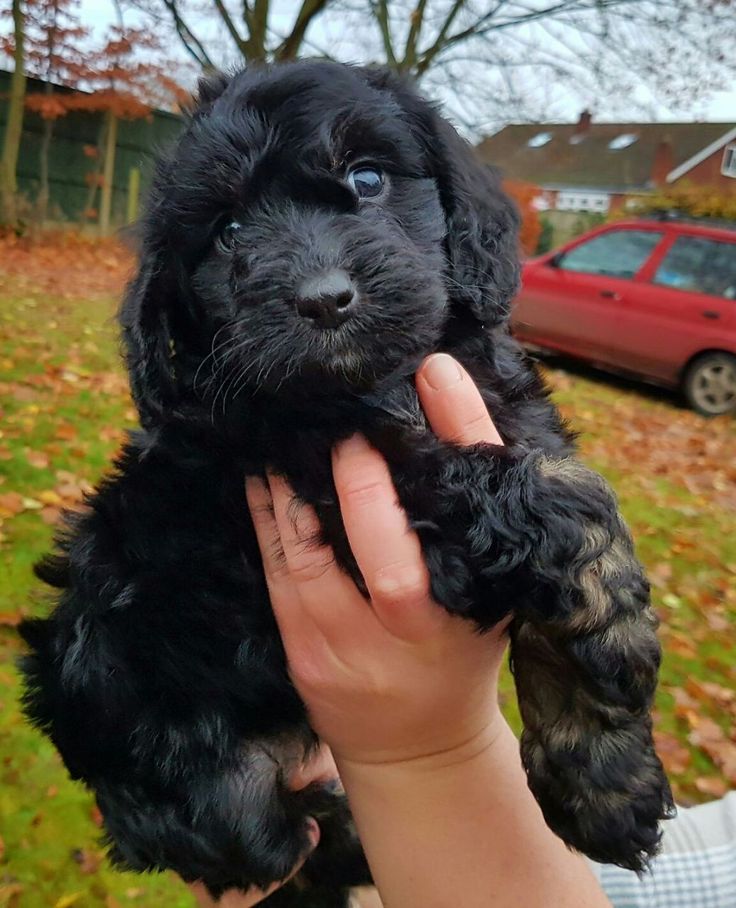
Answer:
(462, 748)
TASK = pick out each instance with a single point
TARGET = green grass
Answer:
(52, 854)
(64, 401)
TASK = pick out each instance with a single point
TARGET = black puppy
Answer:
(316, 231)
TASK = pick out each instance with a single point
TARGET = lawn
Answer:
(63, 409)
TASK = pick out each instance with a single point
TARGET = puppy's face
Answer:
(312, 231)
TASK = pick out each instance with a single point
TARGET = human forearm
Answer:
(464, 824)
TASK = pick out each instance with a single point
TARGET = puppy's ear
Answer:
(482, 222)
(482, 228)
(148, 339)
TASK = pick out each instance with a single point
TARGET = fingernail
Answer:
(441, 371)
(313, 832)
(255, 483)
(352, 446)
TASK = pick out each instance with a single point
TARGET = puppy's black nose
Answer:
(326, 299)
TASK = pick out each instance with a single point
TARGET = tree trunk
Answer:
(108, 173)
(14, 125)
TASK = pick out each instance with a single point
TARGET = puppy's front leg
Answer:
(510, 530)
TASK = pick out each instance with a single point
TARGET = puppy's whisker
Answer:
(215, 355)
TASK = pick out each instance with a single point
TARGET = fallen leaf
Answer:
(11, 503)
(89, 861)
(66, 900)
(10, 619)
(65, 432)
(37, 459)
(711, 785)
(10, 895)
(674, 756)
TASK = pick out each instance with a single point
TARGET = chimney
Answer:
(663, 162)
(584, 121)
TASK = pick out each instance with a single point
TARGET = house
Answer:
(598, 167)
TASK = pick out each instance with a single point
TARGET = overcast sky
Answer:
(720, 107)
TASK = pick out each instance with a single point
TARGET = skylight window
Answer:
(541, 138)
(622, 141)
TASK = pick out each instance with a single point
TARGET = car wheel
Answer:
(710, 384)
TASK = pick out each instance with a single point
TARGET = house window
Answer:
(622, 141)
(570, 200)
(540, 139)
(728, 167)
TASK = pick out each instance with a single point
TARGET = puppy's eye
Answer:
(228, 236)
(366, 182)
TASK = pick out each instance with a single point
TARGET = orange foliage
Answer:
(531, 226)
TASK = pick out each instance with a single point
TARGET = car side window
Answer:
(617, 253)
(701, 266)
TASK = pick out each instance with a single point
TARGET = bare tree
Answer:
(489, 60)
(252, 28)
(495, 60)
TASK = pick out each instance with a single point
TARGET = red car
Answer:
(656, 299)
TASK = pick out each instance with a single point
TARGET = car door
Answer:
(572, 301)
(685, 303)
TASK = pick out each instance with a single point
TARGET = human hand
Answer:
(396, 678)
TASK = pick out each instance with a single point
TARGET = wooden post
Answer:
(134, 188)
(108, 173)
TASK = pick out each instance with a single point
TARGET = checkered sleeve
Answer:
(695, 869)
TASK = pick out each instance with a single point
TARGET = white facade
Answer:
(583, 200)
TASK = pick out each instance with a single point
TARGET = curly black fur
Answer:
(160, 676)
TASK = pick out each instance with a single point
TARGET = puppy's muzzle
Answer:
(327, 299)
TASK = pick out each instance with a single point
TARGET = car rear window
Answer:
(701, 266)
(617, 253)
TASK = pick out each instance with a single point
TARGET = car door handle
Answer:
(611, 295)
(709, 313)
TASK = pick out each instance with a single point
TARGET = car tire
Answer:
(709, 384)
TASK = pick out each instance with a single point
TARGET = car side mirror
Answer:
(556, 260)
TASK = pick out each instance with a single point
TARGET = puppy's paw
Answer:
(587, 745)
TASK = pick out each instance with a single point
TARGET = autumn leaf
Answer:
(65, 432)
(11, 503)
(89, 861)
(674, 756)
(714, 786)
(66, 901)
(37, 459)
(10, 619)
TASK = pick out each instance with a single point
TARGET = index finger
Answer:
(452, 403)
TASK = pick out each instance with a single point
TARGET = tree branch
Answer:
(379, 8)
(412, 39)
(485, 24)
(255, 46)
(192, 44)
(428, 56)
(230, 26)
(289, 47)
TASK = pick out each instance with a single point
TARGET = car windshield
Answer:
(617, 253)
